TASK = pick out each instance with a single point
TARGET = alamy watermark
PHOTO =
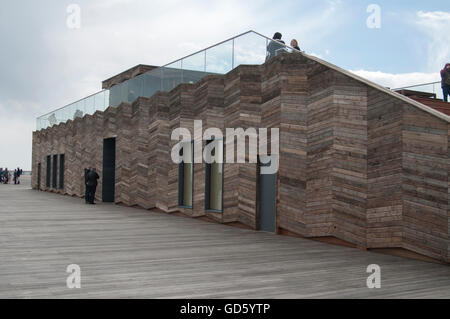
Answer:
(374, 280)
(73, 20)
(213, 151)
(74, 279)
(374, 19)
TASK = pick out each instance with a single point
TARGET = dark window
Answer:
(186, 175)
(48, 172)
(61, 171)
(214, 177)
(54, 170)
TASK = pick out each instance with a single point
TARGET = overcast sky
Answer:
(45, 65)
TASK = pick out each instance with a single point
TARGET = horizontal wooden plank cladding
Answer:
(354, 162)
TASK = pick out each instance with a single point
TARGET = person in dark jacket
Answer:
(6, 176)
(275, 46)
(87, 190)
(19, 173)
(92, 178)
(445, 83)
(294, 44)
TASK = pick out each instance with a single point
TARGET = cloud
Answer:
(394, 81)
(45, 65)
(435, 24)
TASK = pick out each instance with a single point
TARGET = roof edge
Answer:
(419, 105)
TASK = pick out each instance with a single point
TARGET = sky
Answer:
(45, 63)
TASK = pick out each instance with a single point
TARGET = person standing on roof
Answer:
(445, 83)
(294, 44)
(274, 46)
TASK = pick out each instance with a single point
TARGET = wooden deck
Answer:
(133, 253)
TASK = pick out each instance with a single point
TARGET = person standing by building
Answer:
(86, 190)
(275, 45)
(445, 83)
(92, 178)
(1, 174)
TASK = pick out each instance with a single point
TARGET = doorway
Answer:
(267, 196)
(48, 171)
(61, 171)
(109, 170)
(54, 171)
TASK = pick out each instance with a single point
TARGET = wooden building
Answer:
(357, 162)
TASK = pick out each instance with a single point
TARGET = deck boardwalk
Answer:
(134, 253)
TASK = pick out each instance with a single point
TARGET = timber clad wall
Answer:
(355, 162)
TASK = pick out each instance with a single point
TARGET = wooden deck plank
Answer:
(134, 253)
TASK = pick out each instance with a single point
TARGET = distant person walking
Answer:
(86, 190)
(15, 176)
(275, 46)
(445, 83)
(91, 184)
(294, 44)
(6, 176)
(1, 174)
(19, 173)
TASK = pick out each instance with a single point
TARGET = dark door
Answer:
(109, 169)
(48, 171)
(267, 203)
(39, 177)
(54, 171)
(61, 171)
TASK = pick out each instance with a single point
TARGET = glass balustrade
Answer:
(434, 87)
(247, 48)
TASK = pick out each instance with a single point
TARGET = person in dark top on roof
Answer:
(445, 83)
(275, 46)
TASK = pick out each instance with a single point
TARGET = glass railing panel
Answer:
(434, 88)
(135, 88)
(250, 48)
(106, 104)
(77, 110)
(172, 75)
(99, 101)
(89, 105)
(219, 59)
(124, 93)
(115, 95)
(152, 82)
(194, 67)
(437, 88)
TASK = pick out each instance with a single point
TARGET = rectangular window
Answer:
(48, 171)
(186, 175)
(214, 176)
(61, 171)
(54, 171)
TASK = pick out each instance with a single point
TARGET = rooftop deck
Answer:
(133, 253)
